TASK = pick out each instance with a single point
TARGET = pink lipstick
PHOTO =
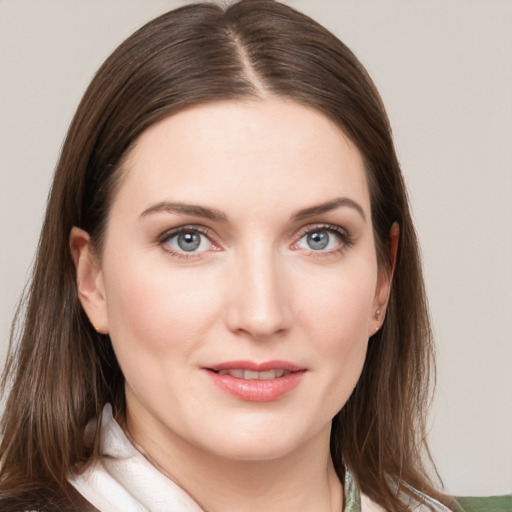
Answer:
(256, 382)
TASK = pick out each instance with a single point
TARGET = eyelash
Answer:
(347, 240)
(165, 237)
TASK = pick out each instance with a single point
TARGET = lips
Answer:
(256, 382)
(256, 367)
(240, 373)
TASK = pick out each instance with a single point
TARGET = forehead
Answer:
(274, 150)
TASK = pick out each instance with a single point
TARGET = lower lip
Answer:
(257, 390)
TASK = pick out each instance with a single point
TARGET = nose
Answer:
(259, 304)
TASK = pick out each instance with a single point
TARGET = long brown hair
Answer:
(60, 372)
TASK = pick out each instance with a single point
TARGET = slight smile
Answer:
(256, 382)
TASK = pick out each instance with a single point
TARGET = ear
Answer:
(384, 281)
(89, 280)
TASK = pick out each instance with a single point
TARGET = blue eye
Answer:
(188, 241)
(320, 240)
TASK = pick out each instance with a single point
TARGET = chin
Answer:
(261, 442)
(254, 450)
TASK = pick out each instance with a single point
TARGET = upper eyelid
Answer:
(322, 225)
(169, 233)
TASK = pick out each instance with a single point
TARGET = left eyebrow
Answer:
(327, 207)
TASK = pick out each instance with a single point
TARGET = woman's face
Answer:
(238, 281)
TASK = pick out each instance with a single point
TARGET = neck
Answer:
(304, 480)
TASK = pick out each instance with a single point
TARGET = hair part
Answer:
(61, 372)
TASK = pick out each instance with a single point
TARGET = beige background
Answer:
(444, 68)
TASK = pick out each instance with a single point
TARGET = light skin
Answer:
(274, 259)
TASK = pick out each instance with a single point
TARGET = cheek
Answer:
(153, 309)
(336, 316)
(338, 305)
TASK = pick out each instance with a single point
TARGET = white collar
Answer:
(123, 480)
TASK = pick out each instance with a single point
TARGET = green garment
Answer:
(484, 504)
(461, 504)
(352, 497)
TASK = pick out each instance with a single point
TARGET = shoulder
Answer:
(484, 504)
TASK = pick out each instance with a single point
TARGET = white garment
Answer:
(123, 480)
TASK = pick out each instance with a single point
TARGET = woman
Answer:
(227, 310)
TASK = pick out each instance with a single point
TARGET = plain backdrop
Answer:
(444, 69)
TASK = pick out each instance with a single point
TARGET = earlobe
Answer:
(385, 279)
(89, 280)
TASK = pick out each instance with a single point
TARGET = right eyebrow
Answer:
(193, 210)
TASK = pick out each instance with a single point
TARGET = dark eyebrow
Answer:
(193, 210)
(329, 206)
